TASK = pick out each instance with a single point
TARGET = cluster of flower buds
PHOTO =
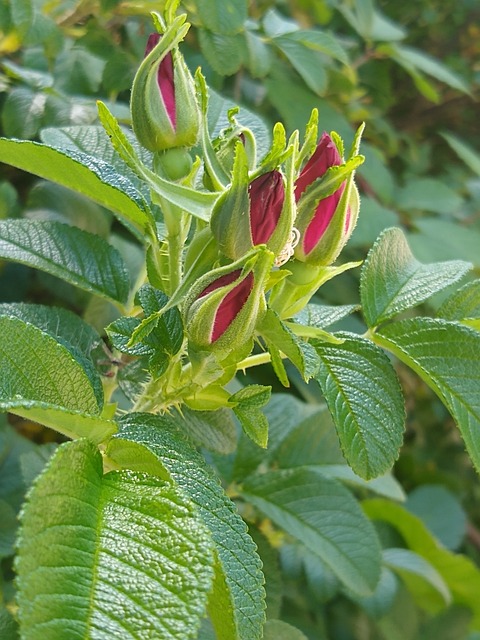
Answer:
(264, 218)
(252, 213)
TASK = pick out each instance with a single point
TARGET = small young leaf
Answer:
(324, 516)
(237, 602)
(82, 173)
(446, 356)
(366, 402)
(93, 547)
(300, 353)
(82, 259)
(392, 280)
(246, 406)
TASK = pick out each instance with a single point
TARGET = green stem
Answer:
(254, 361)
(174, 261)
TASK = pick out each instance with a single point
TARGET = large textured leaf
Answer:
(80, 258)
(93, 140)
(314, 443)
(393, 280)
(237, 602)
(56, 322)
(324, 516)
(446, 356)
(49, 383)
(34, 366)
(82, 173)
(458, 572)
(120, 556)
(366, 402)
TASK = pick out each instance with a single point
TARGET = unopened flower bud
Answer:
(164, 108)
(324, 224)
(247, 215)
(225, 304)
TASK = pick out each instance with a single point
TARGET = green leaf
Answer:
(23, 112)
(86, 539)
(413, 59)
(92, 140)
(80, 258)
(34, 366)
(283, 412)
(442, 513)
(259, 54)
(246, 406)
(463, 304)
(428, 194)
(82, 173)
(313, 442)
(222, 16)
(307, 62)
(440, 239)
(325, 517)
(300, 353)
(366, 402)
(8, 625)
(464, 152)
(422, 579)
(225, 52)
(279, 630)
(322, 315)
(392, 280)
(72, 424)
(57, 322)
(458, 572)
(446, 356)
(237, 601)
(214, 430)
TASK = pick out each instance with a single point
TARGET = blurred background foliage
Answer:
(411, 71)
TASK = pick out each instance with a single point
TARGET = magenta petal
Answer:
(228, 278)
(231, 306)
(153, 40)
(267, 195)
(325, 156)
(167, 87)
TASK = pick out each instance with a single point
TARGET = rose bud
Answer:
(325, 219)
(225, 304)
(164, 108)
(247, 215)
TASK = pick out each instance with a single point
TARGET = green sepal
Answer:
(292, 294)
